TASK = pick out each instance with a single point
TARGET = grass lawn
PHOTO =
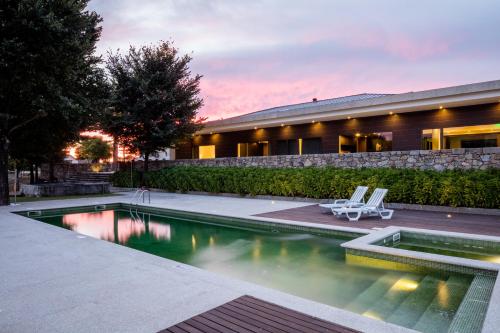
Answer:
(62, 197)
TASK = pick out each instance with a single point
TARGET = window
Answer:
(365, 142)
(260, 148)
(242, 149)
(431, 139)
(206, 152)
(311, 146)
(472, 136)
(287, 147)
(461, 137)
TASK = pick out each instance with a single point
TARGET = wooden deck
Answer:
(467, 223)
(248, 314)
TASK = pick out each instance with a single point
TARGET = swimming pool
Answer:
(306, 262)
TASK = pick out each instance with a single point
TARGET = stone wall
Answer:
(447, 159)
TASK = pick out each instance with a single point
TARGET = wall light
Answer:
(282, 125)
(391, 113)
(348, 117)
(357, 134)
(441, 107)
(211, 133)
(313, 121)
(255, 128)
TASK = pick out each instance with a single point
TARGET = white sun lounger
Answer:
(357, 198)
(373, 207)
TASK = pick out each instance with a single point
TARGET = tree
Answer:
(48, 77)
(154, 99)
(94, 149)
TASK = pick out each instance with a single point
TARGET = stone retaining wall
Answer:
(447, 159)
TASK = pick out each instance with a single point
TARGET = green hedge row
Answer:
(475, 188)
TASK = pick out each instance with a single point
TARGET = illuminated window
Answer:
(242, 149)
(431, 139)
(472, 136)
(260, 148)
(461, 137)
(365, 142)
(206, 152)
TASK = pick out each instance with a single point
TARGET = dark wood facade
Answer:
(406, 129)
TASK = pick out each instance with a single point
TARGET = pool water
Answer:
(448, 248)
(311, 266)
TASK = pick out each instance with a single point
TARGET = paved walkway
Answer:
(466, 223)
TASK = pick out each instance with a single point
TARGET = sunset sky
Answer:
(259, 54)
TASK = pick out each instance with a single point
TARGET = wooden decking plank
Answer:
(280, 319)
(458, 222)
(248, 314)
(194, 322)
(293, 314)
(210, 315)
(188, 328)
(245, 319)
(217, 326)
(258, 319)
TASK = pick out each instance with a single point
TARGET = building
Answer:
(455, 117)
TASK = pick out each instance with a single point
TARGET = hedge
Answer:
(464, 188)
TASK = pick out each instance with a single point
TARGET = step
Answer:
(439, 314)
(470, 315)
(373, 293)
(412, 308)
(391, 300)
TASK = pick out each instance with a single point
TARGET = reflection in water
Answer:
(306, 265)
(104, 225)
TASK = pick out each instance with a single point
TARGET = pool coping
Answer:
(492, 318)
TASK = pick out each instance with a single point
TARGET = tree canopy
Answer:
(94, 149)
(50, 83)
(154, 98)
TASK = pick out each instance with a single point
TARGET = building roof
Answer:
(361, 105)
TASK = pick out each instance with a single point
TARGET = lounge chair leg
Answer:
(355, 217)
(386, 214)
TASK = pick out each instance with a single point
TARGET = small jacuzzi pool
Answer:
(477, 249)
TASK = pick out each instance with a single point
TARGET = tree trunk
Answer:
(115, 154)
(32, 174)
(4, 171)
(146, 162)
(52, 178)
(36, 174)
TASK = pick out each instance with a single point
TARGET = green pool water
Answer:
(313, 266)
(449, 248)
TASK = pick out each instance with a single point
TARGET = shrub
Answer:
(467, 188)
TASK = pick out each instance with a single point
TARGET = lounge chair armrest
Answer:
(341, 201)
(351, 204)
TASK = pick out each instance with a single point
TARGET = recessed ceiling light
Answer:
(440, 106)
(255, 128)
(313, 121)
(391, 113)
(348, 117)
(282, 125)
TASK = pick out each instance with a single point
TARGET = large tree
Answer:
(154, 100)
(48, 74)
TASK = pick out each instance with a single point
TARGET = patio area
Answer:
(453, 222)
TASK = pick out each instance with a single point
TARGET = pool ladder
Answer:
(140, 194)
(136, 198)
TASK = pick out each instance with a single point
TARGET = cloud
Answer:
(261, 54)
